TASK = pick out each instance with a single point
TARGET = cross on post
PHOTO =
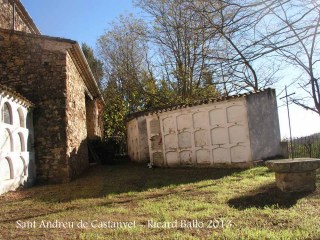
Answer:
(286, 96)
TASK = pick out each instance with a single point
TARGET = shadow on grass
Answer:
(103, 180)
(124, 180)
(267, 196)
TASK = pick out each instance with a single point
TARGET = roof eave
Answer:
(88, 75)
(25, 13)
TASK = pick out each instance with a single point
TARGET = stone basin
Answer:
(295, 165)
(295, 175)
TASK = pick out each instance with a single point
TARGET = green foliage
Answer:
(115, 112)
(183, 44)
(184, 51)
(131, 85)
(134, 83)
(95, 64)
(305, 147)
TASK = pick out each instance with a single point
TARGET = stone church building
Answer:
(52, 74)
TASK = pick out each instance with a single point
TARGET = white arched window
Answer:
(20, 144)
(6, 113)
(6, 141)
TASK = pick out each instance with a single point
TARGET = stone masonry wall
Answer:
(95, 128)
(6, 18)
(77, 150)
(36, 67)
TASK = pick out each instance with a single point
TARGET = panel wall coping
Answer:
(195, 103)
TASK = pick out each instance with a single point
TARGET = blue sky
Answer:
(85, 21)
(80, 20)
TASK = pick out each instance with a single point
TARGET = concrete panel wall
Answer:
(17, 162)
(264, 124)
(214, 134)
(233, 132)
(138, 149)
(132, 140)
(155, 139)
(143, 140)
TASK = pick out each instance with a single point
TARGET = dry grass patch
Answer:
(245, 202)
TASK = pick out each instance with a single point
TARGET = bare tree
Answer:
(237, 49)
(130, 82)
(251, 36)
(297, 42)
(123, 51)
(181, 42)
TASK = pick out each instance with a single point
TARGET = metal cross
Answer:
(286, 96)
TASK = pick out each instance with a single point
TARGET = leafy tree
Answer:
(95, 64)
(115, 112)
(181, 44)
(122, 50)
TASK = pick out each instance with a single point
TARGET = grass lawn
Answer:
(176, 203)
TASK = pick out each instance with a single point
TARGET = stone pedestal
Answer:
(295, 175)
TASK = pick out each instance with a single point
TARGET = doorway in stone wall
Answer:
(89, 116)
(92, 140)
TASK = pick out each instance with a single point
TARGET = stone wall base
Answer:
(240, 165)
(296, 182)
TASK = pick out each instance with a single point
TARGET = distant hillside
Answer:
(316, 135)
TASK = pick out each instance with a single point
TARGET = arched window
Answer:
(6, 113)
(21, 118)
(6, 169)
(20, 145)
